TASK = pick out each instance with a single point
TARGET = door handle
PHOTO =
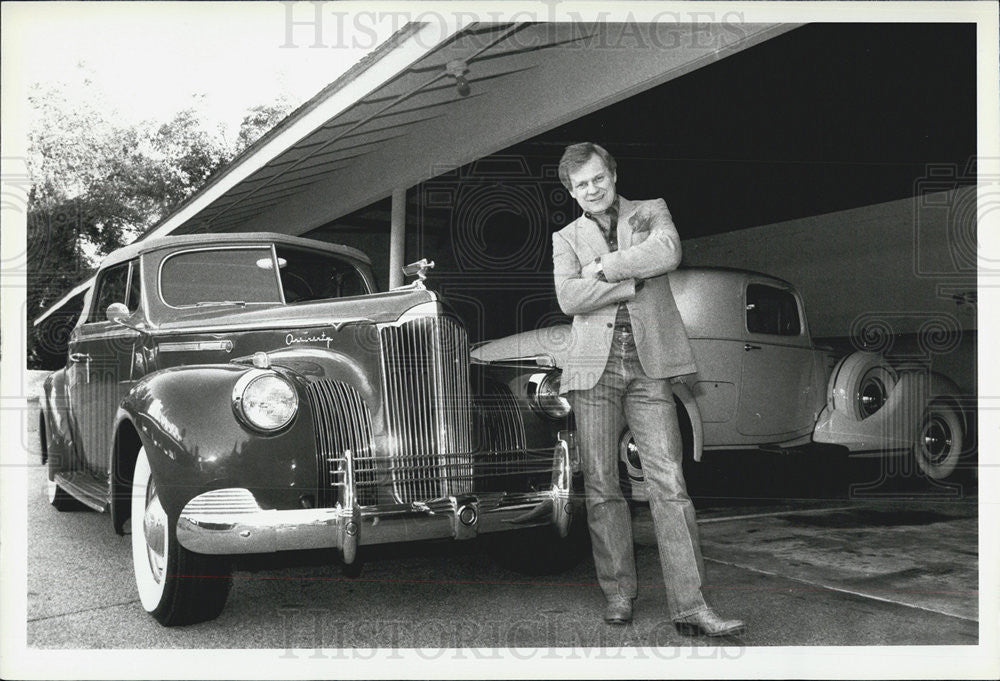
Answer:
(81, 357)
(748, 347)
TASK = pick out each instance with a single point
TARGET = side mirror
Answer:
(117, 313)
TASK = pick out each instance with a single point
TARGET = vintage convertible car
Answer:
(252, 393)
(762, 383)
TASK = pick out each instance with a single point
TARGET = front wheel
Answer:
(175, 585)
(939, 443)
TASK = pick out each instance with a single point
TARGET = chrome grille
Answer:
(502, 423)
(503, 440)
(425, 369)
(343, 428)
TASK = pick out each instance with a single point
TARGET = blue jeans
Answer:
(625, 395)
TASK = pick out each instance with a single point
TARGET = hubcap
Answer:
(872, 396)
(936, 439)
(154, 526)
(632, 454)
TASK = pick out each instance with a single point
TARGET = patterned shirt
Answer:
(623, 321)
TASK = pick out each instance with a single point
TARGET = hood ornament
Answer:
(418, 269)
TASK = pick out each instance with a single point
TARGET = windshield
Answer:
(220, 276)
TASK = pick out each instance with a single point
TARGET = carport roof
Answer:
(396, 118)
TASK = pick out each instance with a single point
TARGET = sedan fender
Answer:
(683, 393)
(871, 407)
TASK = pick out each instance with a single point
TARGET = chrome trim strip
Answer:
(196, 346)
(87, 335)
(542, 360)
(259, 326)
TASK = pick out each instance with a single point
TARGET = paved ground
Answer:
(875, 573)
(803, 556)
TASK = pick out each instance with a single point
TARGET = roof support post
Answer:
(397, 238)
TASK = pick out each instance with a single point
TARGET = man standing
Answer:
(610, 270)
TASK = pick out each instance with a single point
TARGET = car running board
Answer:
(85, 489)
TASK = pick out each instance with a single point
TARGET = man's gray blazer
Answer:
(648, 248)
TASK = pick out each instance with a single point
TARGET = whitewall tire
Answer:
(175, 585)
(861, 384)
(940, 441)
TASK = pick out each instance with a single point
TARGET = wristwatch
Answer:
(600, 269)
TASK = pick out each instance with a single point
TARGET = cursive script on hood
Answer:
(292, 339)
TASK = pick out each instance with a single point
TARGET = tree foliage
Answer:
(98, 182)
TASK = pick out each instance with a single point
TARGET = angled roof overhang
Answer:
(397, 119)
(400, 119)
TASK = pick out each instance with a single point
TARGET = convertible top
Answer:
(145, 246)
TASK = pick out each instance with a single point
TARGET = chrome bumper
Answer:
(230, 521)
(268, 531)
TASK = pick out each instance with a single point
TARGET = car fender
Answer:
(184, 419)
(54, 408)
(683, 393)
(895, 425)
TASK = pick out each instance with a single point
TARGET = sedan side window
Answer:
(111, 288)
(772, 311)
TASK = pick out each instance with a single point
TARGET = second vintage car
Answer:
(252, 393)
(761, 382)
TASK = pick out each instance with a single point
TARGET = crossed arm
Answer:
(658, 253)
(579, 290)
(578, 294)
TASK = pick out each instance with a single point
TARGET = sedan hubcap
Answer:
(936, 440)
(872, 396)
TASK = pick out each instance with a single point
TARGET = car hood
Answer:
(376, 308)
(552, 342)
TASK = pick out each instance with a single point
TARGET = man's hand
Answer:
(592, 271)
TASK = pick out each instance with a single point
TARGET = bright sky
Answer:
(152, 58)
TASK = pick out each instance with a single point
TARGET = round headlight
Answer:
(543, 394)
(265, 400)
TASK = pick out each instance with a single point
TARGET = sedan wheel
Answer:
(633, 480)
(939, 443)
(175, 585)
(861, 385)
